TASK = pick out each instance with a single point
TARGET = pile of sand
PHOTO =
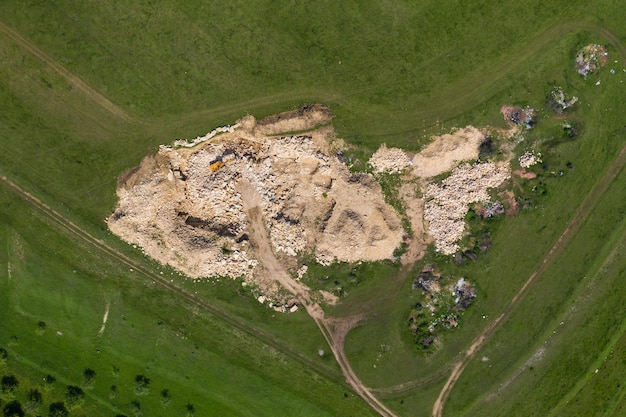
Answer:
(392, 160)
(446, 151)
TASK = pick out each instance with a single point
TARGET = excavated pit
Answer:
(229, 203)
(185, 206)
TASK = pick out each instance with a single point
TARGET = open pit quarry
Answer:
(193, 204)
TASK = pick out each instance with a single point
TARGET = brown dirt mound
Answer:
(304, 118)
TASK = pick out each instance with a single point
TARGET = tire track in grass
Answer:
(572, 228)
(84, 236)
(75, 81)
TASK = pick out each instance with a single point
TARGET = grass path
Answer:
(75, 81)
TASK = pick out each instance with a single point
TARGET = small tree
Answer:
(89, 376)
(3, 355)
(9, 384)
(57, 409)
(165, 397)
(74, 396)
(135, 407)
(13, 409)
(142, 385)
(41, 327)
(191, 410)
(114, 393)
(33, 402)
(49, 379)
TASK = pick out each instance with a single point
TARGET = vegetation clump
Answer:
(444, 301)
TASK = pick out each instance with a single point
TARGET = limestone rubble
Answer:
(184, 206)
(448, 203)
(191, 205)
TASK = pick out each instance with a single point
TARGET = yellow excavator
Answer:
(220, 161)
(217, 164)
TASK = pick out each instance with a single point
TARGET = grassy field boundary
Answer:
(601, 357)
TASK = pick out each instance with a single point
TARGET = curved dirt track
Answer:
(335, 339)
(579, 218)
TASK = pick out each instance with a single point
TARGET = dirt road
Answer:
(75, 81)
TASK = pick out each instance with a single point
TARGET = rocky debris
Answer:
(302, 271)
(591, 58)
(442, 305)
(448, 203)
(490, 209)
(184, 206)
(426, 278)
(200, 139)
(519, 116)
(464, 294)
(447, 151)
(529, 158)
(392, 160)
(558, 102)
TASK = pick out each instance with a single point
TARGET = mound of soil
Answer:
(247, 201)
(446, 151)
(302, 119)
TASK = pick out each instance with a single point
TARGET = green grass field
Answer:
(89, 88)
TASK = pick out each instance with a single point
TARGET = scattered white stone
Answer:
(448, 203)
(529, 158)
(302, 271)
(392, 160)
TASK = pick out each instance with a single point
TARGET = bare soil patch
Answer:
(302, 119)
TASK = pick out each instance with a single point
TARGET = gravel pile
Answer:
(448, 203)
(184, 207)
(529, 158)
(390, 160)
